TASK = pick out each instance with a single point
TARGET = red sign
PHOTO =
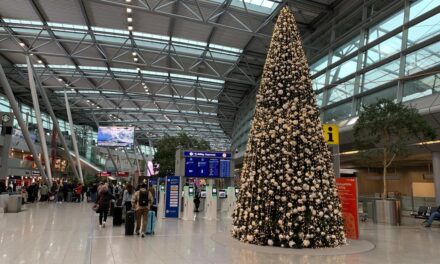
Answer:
(348, 196)
(122, 174)
(104, 174)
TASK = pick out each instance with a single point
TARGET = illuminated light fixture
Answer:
(129, 10)
(73, 90)
(98, 107)
(350, 152)
(134, 53)
(40, 61)
(60, 80)
(22, 44)
(138, 69)
(135, 59)
(129, 19)
(130, 28)
(88, 101)
(32, 54)
(128, 1)
(428, 142)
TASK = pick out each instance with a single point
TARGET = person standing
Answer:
(142, 200)
(127, 197)
(44, 192)
(103, 202)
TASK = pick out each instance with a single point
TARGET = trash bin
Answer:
(387, 212)
(14, 203)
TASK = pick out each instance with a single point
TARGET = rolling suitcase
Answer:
(117, 216)
(129, 223)
(150, 222)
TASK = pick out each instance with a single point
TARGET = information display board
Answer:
(207, 164)
(172, 196)
(347, 192)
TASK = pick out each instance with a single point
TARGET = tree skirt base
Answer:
(352, 247)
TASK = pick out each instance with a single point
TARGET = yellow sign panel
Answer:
(331, 134)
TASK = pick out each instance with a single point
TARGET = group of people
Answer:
(139, 200)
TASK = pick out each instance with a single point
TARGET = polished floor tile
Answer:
(69, 233)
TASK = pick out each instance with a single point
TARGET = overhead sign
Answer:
(347, 191)
(331, 134)
(104, 174)
(207, 154)
(172, 196)
(123, 174)
(207, 164)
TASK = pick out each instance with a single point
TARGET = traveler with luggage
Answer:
(434, 215)
(142, 200)
(103, 204)
(127, 197)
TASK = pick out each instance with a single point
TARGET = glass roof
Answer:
(146, 40)
(261, 6)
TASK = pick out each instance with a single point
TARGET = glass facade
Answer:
(396, 57)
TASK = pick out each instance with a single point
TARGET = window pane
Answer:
(384, 49)
(341, 92)
(385, 26)
(319, 98)
(346, 49)
(388, 93)
(319, 65)
(421, 87)
(424, 30)
(318, 82)
(423, 59)
(339, 112)
(381, 75)
(343, 70)
(422, 6)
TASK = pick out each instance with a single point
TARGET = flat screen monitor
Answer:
(115, 136)
(214, 191)
(191, 191)
(222, 194)
(203, 194)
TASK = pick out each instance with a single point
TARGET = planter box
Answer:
(387, 212)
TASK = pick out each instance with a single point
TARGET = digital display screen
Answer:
(203, 194)
(225, 168)
(114, 136)
(202, 167)
(191, 191)
(214, 191)
(213, 168)
(191, 167)
(222, 194)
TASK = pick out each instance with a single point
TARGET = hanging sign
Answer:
(122, 174)
(347, 191)
(172, 196)
(331, 134)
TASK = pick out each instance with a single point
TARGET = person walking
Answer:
(103, 203)
(44, 192)
(127, 197)
(142, 200)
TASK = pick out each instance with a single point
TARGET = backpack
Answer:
(143, 198)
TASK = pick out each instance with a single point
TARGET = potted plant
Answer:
(384, 131)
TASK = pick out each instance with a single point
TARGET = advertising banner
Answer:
(114, 136)
(172, 196)
(347, 190)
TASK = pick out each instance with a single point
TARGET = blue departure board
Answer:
(213, 168)
(202, 167)
(191, 167)
(225, 168)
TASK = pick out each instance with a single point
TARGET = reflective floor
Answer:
(69, 233)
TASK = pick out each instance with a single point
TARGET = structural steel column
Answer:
(39, 120)
(72, 131)
(55, 124)
(14, 105)
(436, 175)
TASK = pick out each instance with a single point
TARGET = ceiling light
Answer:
(129, 19)
(129, 10)
(130, 28)
(135, 59)
(88, 101)
(138, 69)
(73, 90)
(128, 1)
(134, 53)
(22, 44)
(98, 107)
(60, 80)
(40, 61)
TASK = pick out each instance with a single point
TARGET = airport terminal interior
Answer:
(219, 131)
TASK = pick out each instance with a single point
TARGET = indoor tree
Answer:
(288, 193)
(385, 129)
(165, 154)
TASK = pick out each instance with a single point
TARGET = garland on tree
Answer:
(288, 194)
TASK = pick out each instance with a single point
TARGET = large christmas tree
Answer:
(288, 194)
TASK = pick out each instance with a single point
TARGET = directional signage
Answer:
(207, 164)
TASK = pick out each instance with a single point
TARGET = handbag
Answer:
(95, 207)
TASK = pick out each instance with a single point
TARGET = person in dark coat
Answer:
(103, 202)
